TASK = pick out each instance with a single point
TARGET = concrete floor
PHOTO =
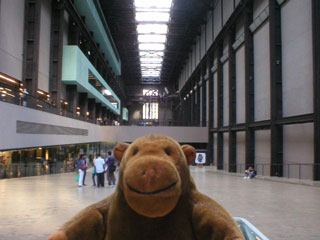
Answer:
(34, 207)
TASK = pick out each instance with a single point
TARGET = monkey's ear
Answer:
(190, 153)
(119, 150)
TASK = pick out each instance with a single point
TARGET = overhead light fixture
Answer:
(153, 3)
(148, 38)
(152, 16)
(152, 28)
(151, 46)
(107, 92)
(8, 78)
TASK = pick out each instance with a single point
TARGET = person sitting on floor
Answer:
(250, 173)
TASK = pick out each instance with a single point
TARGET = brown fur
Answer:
(155, 199)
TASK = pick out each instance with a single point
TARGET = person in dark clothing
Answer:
(111, 167)
(82, 168)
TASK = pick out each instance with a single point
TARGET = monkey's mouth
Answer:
(152, 193)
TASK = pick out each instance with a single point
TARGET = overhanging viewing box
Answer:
(77, 70)
(97, 24)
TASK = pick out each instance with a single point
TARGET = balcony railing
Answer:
(15, 96)
(36, 169)
(302, 171)
(176, 123)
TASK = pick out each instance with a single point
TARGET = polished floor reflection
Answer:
(34, 207)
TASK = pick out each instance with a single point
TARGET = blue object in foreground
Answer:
(249, 231)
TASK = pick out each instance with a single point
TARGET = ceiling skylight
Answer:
(152, 17)
(153, 3)
(151, 46)
(152, 38)
(152, 28)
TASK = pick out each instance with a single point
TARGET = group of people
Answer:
(100, 167)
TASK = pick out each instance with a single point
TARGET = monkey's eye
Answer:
(135, 151)
(167, 151)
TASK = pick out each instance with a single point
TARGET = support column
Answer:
(92, 109)
(198, 105)
(249, 80)
(72, 98)
(316, 85)
(220, 109)
(211, 111)
(31, 43)
(103, 115)
(276, 88)
(56, 49)
(83, 104)
(74, 33)
(193, 106)
(204, 100)
(98, 110)
(232, 102)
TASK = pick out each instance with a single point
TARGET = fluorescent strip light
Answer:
(152, 38)
(152, 28)
(152, 16)
(151, 54)
(8, 79)
(107, 92)
(153, 9)
(145, 59)
(153, 3)
(151, 46)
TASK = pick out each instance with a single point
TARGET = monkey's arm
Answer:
(90, 223)
(212, 222)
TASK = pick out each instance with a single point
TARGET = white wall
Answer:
(240, 85)
(11, 38)
(209, 30)
(65, 28)
(262, 73)
(259, 6)
(44, 52)
(227, 10)
(96, 133)
(298, 147)
(263, 151)
(217, 19)
(241, 151)
(297, 63)
(203, 41)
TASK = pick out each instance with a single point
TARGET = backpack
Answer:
(112, 168)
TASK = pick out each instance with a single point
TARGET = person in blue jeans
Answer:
(250, 173)
(82, 169)
(111, 167)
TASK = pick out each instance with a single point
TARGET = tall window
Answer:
(151, 107)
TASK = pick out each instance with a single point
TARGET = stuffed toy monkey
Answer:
(155, 199)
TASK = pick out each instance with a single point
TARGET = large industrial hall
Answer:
(160, 119)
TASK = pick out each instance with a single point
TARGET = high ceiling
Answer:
(186, 17)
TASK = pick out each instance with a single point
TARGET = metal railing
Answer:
(174, 123)
(37, 169)
(15, 96)
(291, 170)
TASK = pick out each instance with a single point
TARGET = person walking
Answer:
(99, 166)
(82, 168)
(111, 167)
(94, 172)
